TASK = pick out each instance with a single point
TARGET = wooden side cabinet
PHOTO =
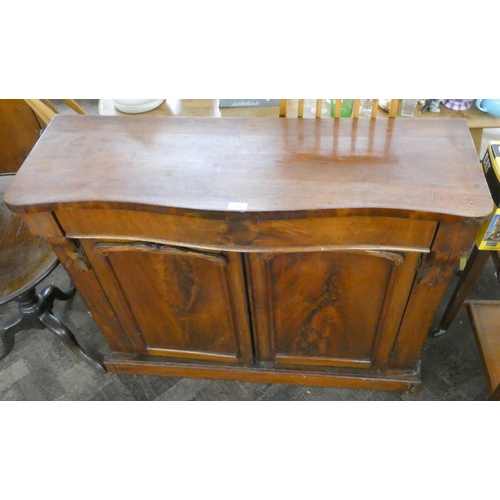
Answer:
(328, 272)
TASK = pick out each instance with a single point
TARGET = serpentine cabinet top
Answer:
(255, 167)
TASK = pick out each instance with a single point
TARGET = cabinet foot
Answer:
(352, 378)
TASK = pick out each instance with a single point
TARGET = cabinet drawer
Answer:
(249, 234)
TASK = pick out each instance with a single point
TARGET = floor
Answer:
(41, 368)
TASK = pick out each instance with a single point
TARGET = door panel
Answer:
(340, 308)
(177, 302)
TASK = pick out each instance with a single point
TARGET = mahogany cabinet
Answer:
(309, 252)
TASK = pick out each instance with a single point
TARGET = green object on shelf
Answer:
(345, 107)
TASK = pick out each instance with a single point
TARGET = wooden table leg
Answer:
(475, 265)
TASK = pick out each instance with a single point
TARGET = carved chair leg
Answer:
(51, 293)
(36, 312)
(66, 335)
(8, 333)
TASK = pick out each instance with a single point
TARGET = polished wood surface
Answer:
(25, 259)
(308, 108)
(187, 306)
(271, 165)
(221, 231)
(328, 271)
(485, 319)
(317, 320)
(19, 131)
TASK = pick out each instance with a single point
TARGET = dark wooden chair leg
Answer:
(36, 312)
(66, 335)
(8, 333)
(475, 265)
(51, 293)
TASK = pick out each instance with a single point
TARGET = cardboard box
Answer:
(488, 237)
(247, 103)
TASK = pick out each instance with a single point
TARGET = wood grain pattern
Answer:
(197, 297)
(430, 285)
(335, 317)
(87, 284)
(280, 166)
(331, 275)
(250, 233)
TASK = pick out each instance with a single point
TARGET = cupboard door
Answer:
(176, 302)
(339, 308)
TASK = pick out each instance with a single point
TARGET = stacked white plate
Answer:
(136, 105)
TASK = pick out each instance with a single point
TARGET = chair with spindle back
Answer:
(286, 109)
(46, 110)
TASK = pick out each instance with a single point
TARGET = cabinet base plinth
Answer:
(390, 380)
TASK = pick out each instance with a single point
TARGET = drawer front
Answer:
(249, 235)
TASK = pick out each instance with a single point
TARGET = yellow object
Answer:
(488, 237)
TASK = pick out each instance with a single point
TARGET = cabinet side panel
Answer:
(428, 289)
(94, 297)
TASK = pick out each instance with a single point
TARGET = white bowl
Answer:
(136, 105)
(385, 104)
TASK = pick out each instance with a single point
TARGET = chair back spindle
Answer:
(288, 108)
